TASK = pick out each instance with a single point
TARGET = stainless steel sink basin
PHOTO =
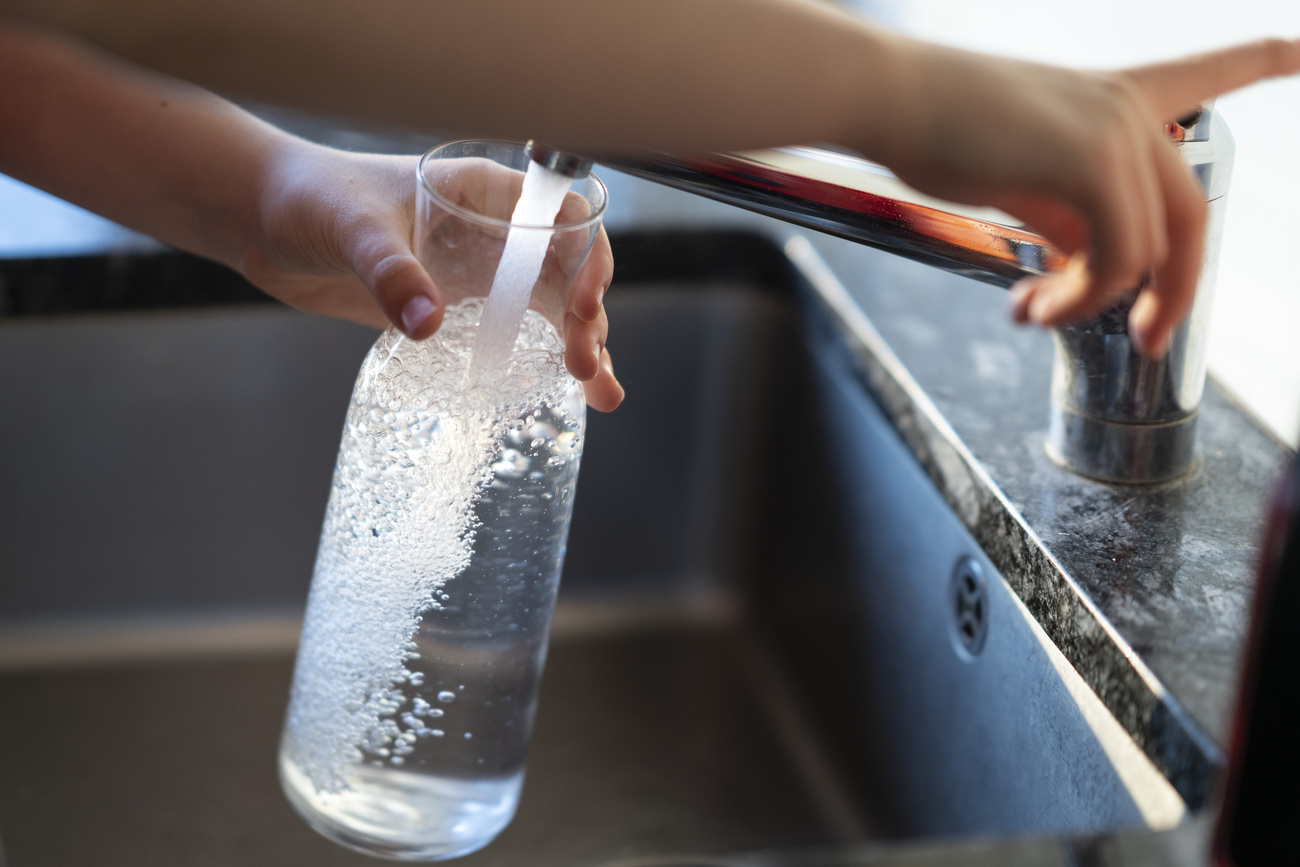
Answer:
(773, 633)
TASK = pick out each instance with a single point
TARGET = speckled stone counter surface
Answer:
(1145, 589)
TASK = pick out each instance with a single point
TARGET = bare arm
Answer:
(130, 144)
(1076, 155)
(628, 74)
(320, 229)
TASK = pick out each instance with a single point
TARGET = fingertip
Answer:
(1061, 296)
(602, 396)
(582, 358)
(603, 392)
(421, 316)
(1047, 308)
(1021, 295)
(1039, 310)
(1147, 330)
(409, 298)
(599, 401)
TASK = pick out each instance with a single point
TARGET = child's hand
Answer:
(335, 238)
(1081, 158)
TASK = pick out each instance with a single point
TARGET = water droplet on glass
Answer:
(468, 735)
(436, 711)
(398, 760)
(416, 678)
(446, 695)
(437, 733)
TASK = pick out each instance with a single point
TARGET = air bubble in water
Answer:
(512, 465)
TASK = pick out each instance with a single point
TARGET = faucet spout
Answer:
(1116, 416)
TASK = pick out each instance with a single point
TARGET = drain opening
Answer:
(968, 607)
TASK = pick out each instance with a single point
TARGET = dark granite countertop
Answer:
(1170, 566)
(1145, 590)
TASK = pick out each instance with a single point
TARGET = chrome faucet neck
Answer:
(1116, 415)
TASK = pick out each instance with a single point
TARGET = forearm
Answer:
(162, 157)
(589, 74)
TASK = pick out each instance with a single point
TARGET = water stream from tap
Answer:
(521, 265)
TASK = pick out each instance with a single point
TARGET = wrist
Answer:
(274, 184)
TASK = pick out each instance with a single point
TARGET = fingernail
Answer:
(416, 312)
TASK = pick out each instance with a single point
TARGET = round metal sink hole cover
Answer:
(968, 607)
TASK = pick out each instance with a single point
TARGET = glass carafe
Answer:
(440, 555)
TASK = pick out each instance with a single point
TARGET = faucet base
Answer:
(1130, 454)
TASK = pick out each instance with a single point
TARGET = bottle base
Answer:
(405, 816)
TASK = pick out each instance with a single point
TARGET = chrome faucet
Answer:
(1115, 415)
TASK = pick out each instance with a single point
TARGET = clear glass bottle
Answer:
(440, 556)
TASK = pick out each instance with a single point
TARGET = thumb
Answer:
(404, 290)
